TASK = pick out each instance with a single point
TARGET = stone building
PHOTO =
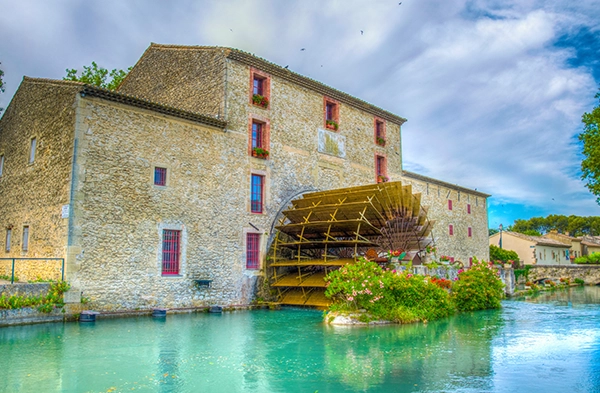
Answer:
(180, 175)
(533, 250)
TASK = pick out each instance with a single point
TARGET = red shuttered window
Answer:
(450, 229)
(170, 251)
(252, 251)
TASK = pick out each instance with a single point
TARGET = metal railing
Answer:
(12, 277)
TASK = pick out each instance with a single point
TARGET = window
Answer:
(470, 261)
(32, 148)
(256, 193)
(252, 251)
(451, 230)
(470, 232)
(380, 132)
(8, 235)
(331, 109)
(25, 244)
(258, 138)
(468, 208)
(449, 204)
(380, 169)
(170, 251)
(160, 176)
(1, 164)
(259, 89)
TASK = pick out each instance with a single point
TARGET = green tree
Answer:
(98, 76)
(500, 254)
(590, 165)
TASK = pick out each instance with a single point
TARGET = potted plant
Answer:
(259, 100)
(331, 124)
(380, 141)
(259, 152)
(382, 179)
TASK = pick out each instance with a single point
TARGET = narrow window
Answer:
(470, 232)
(258, 85)
(470, 261)
(331, 115)
(8, 235)
(379, 133)
(256, 194)
(252, 250)
(468, 208)
(450, 229)
(160, 176)
(170, 252)
(257, 135)
(32, 148)
(25, 244)
(380, 169)
(1, 164)
(449, 204)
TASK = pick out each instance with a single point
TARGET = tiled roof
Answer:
(416, 176)
(542, 241)
(284, 73)
(109, 95)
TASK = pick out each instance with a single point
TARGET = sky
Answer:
(493, 90)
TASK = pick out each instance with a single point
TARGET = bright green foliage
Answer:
(579, 281)
(385, 294)
(97, 76)
(590, 165)
(500, 254)
(478, 288)
(47, 303)
(593, 259)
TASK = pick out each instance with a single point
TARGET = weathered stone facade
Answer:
(103, 149)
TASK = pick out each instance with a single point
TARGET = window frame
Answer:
(257, 206)
(450, 230)
(264, 139)
(379, 131)
(450, 204)
(469, 232)
(25, 237)
(253, 240)
(162, 180)
(256, 74)
(331, 115)
(167, 268)
(7, 239)
(468, 208)
(33, 145)
(381, 168)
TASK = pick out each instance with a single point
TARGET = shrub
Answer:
(47, 303)
(579, 281)
(478, 288)
(500, 254)
(593, 258)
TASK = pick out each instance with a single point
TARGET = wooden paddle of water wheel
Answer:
(329, 229)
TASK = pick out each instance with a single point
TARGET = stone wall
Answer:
(32, 270)
(435, 195)
(33, 194)
(27, 290)
(589, 274)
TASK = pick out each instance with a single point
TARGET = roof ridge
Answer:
(418, 176)
(53, 81)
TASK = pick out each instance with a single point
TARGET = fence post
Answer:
(12, 277)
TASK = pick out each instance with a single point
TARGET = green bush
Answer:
(579, 281)
(478, 288)
(500, 254)
(47, 303)
(593, 258)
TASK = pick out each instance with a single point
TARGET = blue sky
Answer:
(493, 90)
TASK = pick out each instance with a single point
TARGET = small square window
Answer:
(252, 251)
(170, 252)
(32, 148)
(451, 230)
(449, 204)
(25, 244)
(160, 176)
(8, 236)
(256, 193)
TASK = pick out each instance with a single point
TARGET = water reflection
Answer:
(549, 343)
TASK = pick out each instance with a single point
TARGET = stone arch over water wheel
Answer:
(325, 230)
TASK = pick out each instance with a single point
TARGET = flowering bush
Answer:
(442, 282)
(396, 254)
(478, 288)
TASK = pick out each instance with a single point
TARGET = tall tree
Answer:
(98, 76)
(590, 165)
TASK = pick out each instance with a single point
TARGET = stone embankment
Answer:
(590, 274)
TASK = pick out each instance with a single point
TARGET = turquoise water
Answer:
(547, 344)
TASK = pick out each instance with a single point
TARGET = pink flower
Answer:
(350, 298)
